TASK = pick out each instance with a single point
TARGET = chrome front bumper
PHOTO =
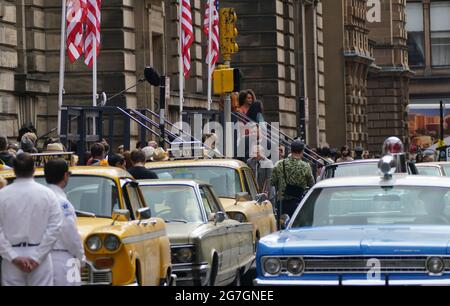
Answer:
(353, 282)
(191, 274)
(91, 276)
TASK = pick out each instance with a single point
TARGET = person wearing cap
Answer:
(54, 147)
(290, 177)
(68, 251)
(30, 224)
(359, 153)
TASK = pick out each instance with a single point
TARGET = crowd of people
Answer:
(38, 255)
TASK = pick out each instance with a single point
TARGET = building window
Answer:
(414, 26)
(440, 33)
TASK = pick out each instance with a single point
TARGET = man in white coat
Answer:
(30, 222)
(68, 251)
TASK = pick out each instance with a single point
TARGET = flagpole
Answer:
(62, 59)
(94, 77)
(180, 63)
(211, 3)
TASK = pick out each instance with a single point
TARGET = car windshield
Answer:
(92, 194)
(428, 171)
(173, 203)
(352, 169)
(225, 181)
(398, 205)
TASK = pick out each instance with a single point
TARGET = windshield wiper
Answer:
(84, 213)
(175, 220)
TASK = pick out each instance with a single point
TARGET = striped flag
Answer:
(75, 18)
(93, 20)
(187, 35)
(214, 56)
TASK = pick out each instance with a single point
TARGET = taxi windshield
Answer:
(173, 203)
(393, 205)
(225, 181)
(91, 194)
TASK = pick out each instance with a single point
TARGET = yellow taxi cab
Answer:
(234, 183)
(124, 245)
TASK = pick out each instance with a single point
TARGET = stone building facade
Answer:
(322, 69)
(428, 26)
(369, 93)
(135, 34)
(281, 56)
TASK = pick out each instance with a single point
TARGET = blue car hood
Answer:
(376, 240)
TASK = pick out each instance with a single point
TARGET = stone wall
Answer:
(266, 56)
(8, 63)
(388, 94)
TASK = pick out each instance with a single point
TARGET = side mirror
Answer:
(143, 213)
(284, 221)
(242, 197)
(219, 217)
(261, 197)
(122, 215)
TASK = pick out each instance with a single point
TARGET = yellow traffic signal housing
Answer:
(226, 80)
(228, 33)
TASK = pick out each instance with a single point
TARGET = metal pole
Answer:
(228, 124)
(209, 58)
(62, 58)
(162, 110)
(442, 123)
(180, 62)
(94, 79)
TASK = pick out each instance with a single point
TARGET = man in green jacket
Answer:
(290, 177)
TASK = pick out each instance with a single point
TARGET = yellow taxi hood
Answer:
(227, 202)
(87, 226)
(230, 204)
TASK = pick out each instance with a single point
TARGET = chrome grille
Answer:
(92, 276)
(400, 264)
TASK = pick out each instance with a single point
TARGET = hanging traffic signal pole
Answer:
(224, 76)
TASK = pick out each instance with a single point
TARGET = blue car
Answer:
(388, 230)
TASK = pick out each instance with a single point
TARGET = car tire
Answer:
(213, 274)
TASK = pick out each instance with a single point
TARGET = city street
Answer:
(232, 143)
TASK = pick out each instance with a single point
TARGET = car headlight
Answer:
(295, 266)
(184, 255)
(272, 266)
(94, 243)
(435, 265)
(239, 217)
(112, 243)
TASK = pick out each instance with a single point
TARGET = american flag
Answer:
(93, 20)
(75, 18)
(214, 56)
(187, 35)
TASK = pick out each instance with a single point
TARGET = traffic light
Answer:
(226, 80)
(228, 33)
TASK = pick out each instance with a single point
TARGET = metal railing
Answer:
(285, 140)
